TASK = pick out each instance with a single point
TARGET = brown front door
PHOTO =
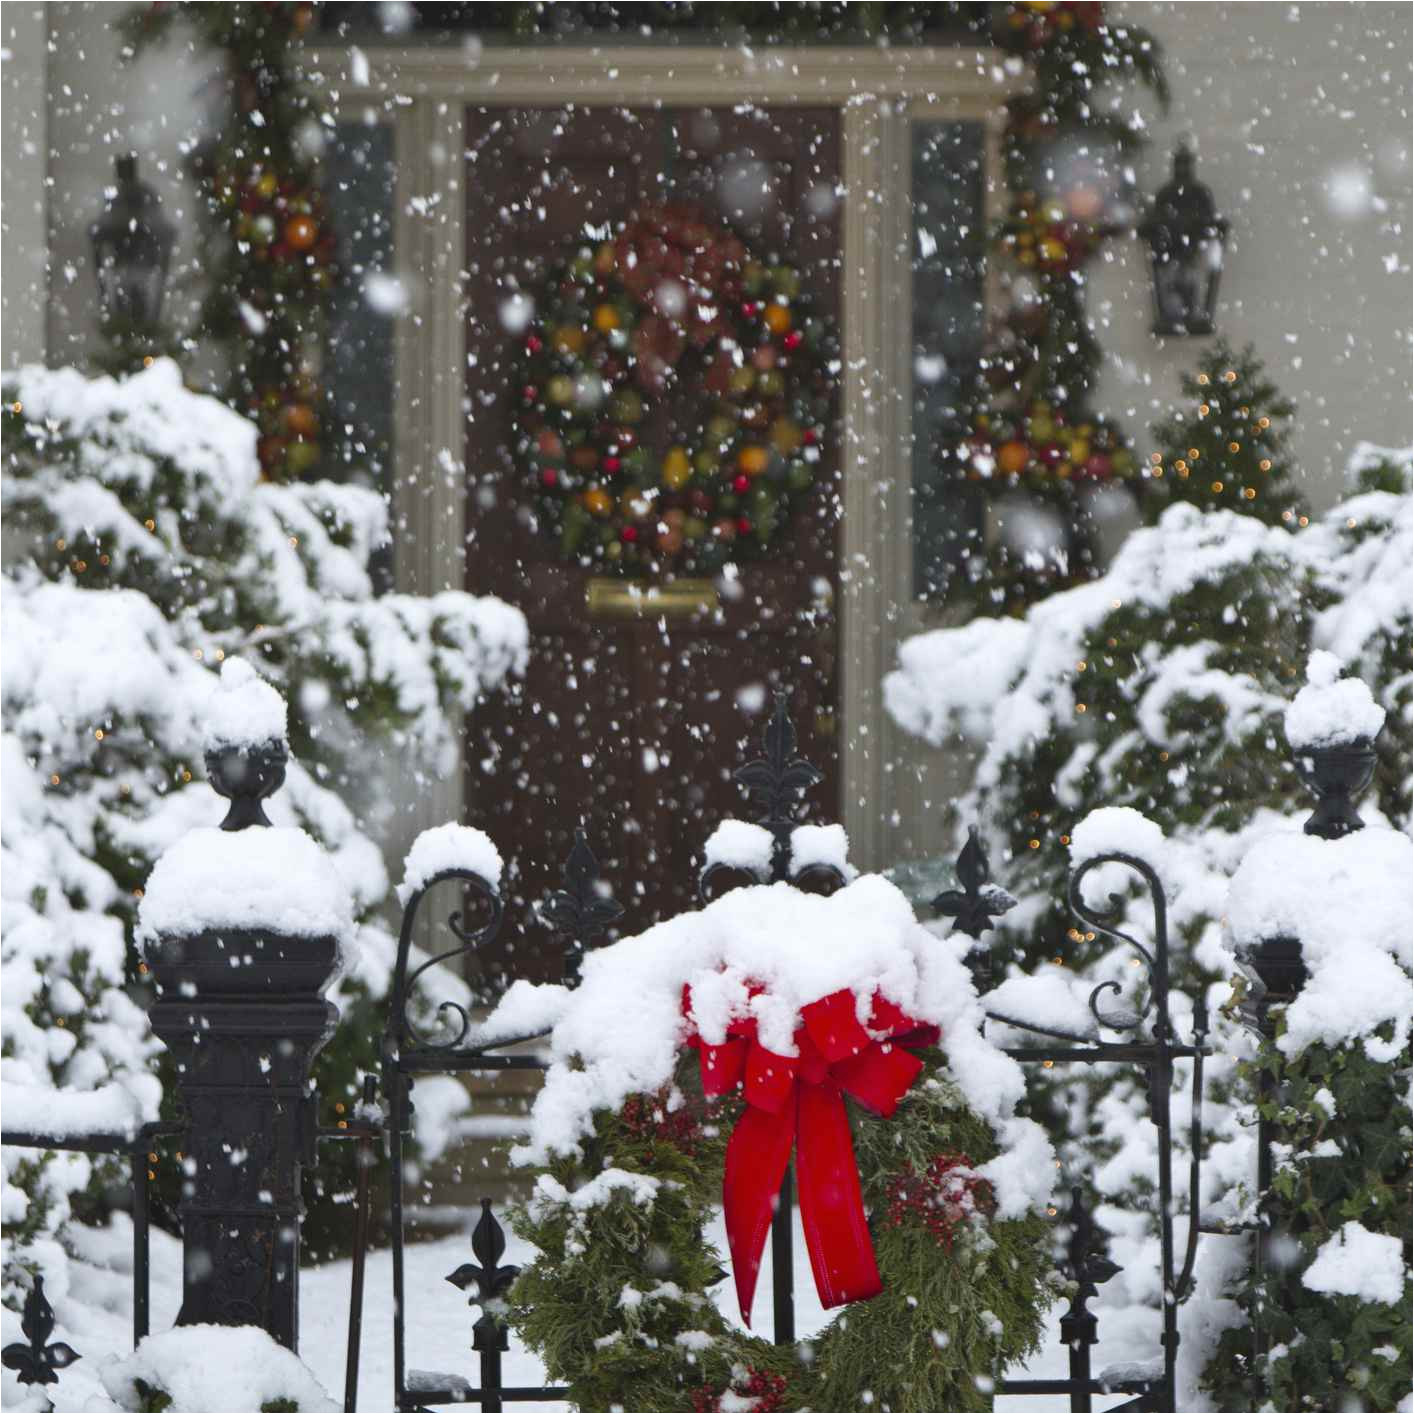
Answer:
(632, 728)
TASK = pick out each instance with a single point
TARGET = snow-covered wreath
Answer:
(694, 1062)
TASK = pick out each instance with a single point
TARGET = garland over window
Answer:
(1029, 439)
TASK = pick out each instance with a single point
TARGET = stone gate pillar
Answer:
(241, 927)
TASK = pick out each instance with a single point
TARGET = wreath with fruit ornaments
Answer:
(918, 1193)
(673, 308)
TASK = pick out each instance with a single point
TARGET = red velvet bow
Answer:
(796, 1101)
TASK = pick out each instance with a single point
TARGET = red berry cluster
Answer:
(765, 1390)
(943, 1198)
(647, 1117)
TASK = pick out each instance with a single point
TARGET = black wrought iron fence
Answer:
(579, 912)
(578, 915)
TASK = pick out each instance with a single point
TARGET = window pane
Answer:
(359, 173)
(949, 258)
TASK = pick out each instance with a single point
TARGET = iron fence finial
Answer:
(34, 1360)
(979, 901)
(582, 908)
(491, 1280)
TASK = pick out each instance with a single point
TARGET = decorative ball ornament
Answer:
(301, 232)
(302, 420)
(672, 314)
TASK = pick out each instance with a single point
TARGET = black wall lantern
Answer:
(132, 246)
(1186, 237)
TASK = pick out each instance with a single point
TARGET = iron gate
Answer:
(581, 911)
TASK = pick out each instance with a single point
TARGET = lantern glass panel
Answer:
(132, 245)
(1186, 287)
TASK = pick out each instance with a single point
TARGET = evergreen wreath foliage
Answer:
(618, 1302)
(1025, 438)
(270, 248)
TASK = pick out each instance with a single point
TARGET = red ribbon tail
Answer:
(757, 1155)
(831, 1204)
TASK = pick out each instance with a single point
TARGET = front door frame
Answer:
(422, 92)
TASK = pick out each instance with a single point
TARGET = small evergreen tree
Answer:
(1229, 452)
(143, 549)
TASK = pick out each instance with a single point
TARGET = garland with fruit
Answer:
(675, 396)
(270, 253)
(1028, 437)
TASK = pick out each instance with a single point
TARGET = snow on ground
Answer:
(96, 1320)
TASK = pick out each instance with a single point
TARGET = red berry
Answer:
(533, 345)
(793, 340)
(629, 534)
(743, 526)
(810, 437)
(611, 465)
(741, 483)
(750, 309)
(549, 477)
(530, 392)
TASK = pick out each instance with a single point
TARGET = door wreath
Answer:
(835, 1034)
(673, 307)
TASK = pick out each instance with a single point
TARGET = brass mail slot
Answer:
(630, 599)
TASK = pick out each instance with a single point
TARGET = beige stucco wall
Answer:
(23, 144)
(1301, 116)
(101, 105)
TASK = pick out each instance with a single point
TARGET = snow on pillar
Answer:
(242, 927)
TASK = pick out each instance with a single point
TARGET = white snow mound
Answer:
(1349, 902)
(243, 709)
(274, 879)
(1331, 710)
(447, 847)
(1358, 1262)
(215, 1367)
(621, 1032)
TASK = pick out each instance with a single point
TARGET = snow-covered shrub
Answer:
(1330, 1306)
(142, 551)
(213, 1367)
(1163, 686)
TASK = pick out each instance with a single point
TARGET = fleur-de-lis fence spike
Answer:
(583, 908)
(979, 901)
(1086, 1262)
(38, 1362)
(777, 782)
(491, 1280)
